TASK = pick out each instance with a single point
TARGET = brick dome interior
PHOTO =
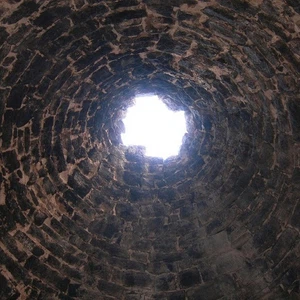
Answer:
(84, 217)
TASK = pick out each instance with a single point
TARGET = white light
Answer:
(151, 124)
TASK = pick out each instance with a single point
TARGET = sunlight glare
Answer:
(151, 124)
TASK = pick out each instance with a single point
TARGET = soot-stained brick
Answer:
(294, 109)
(189, 278)
(138, 279)
(3, 35)
(16, 96)
(88, 59)
(89, 12)
(49, 16)
(126, 211)
(10, 160)
(7, 291)
(79, 183)
(167, 44)
(124, 15)
(165, 282)
(46, 273)
(37, 68)
(23, 116)
(14, 268)
(24, 10)
(101, 75)
(132, 179)
(110, 288)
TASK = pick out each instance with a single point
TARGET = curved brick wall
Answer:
(82, 216)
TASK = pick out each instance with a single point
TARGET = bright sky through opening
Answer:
(151, 124)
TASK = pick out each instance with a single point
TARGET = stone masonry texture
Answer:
(84, 217)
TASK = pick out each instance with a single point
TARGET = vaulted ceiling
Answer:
(82, 216)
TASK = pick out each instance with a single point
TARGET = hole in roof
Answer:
(151, 124)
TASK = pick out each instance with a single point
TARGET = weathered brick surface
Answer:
(82, 216)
